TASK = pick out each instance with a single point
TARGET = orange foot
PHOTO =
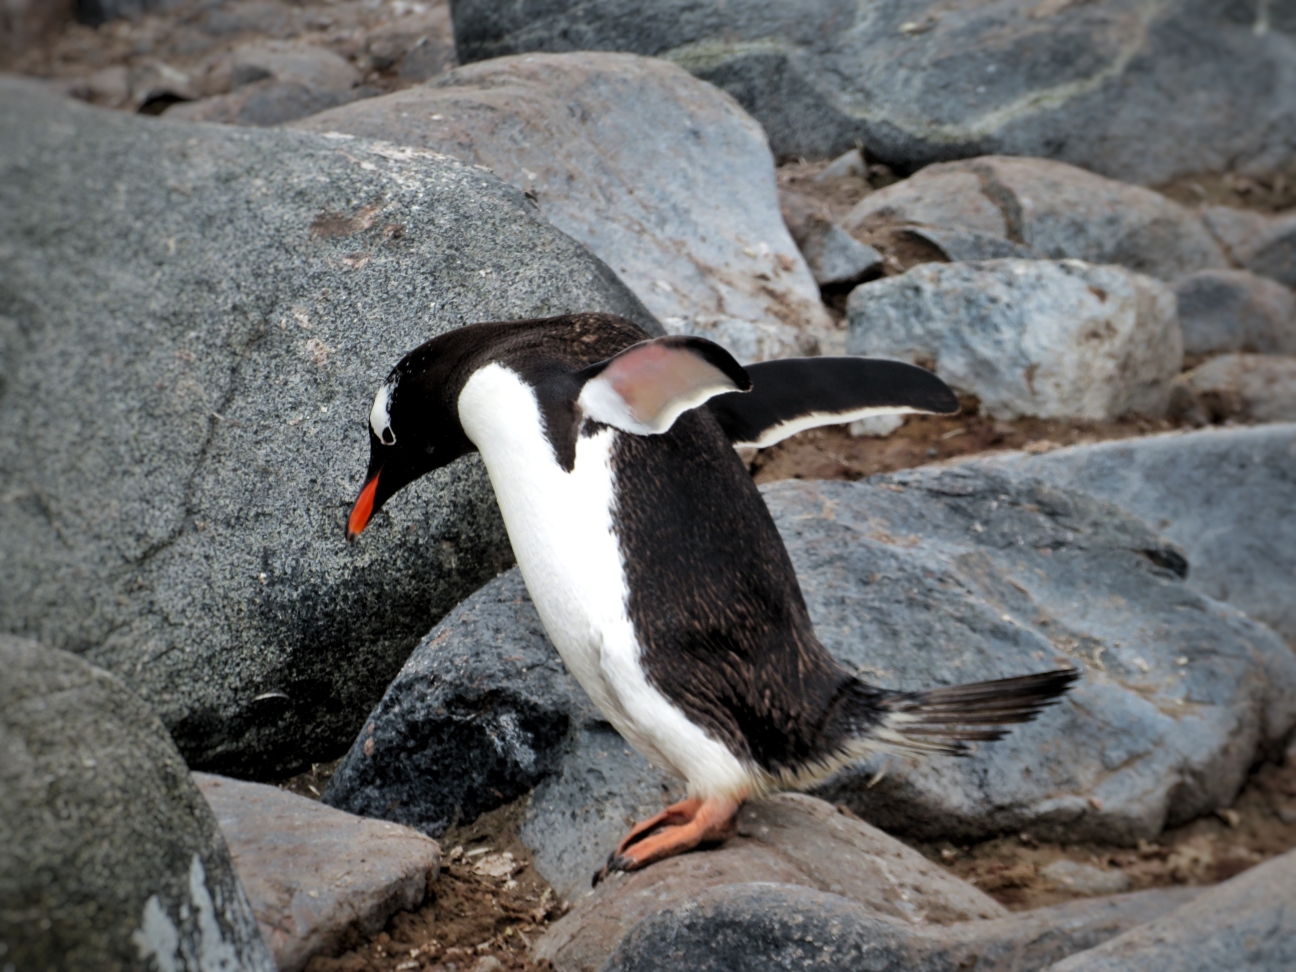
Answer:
(678, 828)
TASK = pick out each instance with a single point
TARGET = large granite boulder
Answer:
(1056, 210)
(193, 320)
(109, 856)
(914, 580)
(1225, 496)
(1051, 338)
(1139, 91)
(662, 176)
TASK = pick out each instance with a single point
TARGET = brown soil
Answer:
(1260, 824)
(484, 912)
(1268, 193)
(833, 453)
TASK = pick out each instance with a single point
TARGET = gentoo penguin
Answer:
(652, 559)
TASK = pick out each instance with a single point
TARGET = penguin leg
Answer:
(676, 829)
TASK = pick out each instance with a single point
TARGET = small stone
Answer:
(876, 426)
(1085, 879)
(847, 164)
(1240, 387)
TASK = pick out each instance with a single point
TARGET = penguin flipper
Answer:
(791, 395)
(646, 387)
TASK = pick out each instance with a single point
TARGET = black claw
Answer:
(614, 863)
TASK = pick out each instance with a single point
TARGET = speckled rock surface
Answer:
(317, 877)
(1058, 339)
(659, 174)
(1262, 243)
(1139, 91)
(1056, 210)
(1247, 923)
(1223, 495)
(193, 322)
(1240, 388)
(109, 857)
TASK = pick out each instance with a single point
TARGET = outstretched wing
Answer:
(794, 394)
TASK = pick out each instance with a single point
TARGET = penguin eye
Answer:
(380, 416)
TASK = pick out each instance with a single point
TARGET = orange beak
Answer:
(363, 509)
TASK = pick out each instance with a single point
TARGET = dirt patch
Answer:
(833, 453)
(485, 911)
(1261, 824)
(1267, 193)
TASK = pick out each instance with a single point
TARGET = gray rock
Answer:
(1028, 337)
(943, 576)
(659, 174)
(1263, 244)
(1235, 310)
(1224, 495)
(25, 23)
(1050, 209)
(1240, 387)
(317, 878)
(772, 926)
(417, 46)
(1139, 92)
(914, 580)
(1246, 923)
(963, 246)
(1085, 878)
(109, 858)
(847, 164)
(789, 839)
(193, 321)
(835, 258)
(275, 82)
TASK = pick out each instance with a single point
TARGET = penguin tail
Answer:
(950, 720)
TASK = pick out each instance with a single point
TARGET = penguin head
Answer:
(413, 429)
(586, 367)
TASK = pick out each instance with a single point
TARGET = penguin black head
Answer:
(620, 377)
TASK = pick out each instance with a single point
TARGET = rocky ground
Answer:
(1082, 216)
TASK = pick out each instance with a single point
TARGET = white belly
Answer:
(560, 525)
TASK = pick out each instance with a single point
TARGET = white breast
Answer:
(560, 525)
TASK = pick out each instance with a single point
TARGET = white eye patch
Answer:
(380, 416)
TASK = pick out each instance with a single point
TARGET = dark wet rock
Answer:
(1139, 92)
(194, 321)
(317, 878)
(109, 857)
(659, 174)
(763, 927)
(1235, 310)
(95, 12)
(1049, 209)
(1246, 923)
(914, 580)
(1060, 339)
(1223, 495)
(1263, 244)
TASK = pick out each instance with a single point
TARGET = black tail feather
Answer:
(945, 720)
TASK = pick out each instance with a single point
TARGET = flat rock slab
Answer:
(788, 839)
(1224, 495)
(194, 319)
(1138, 91)
(1055, 210)
(1247, 923)
(317, 877)
(914, 580)
(109, 857)
(659, 174)
(764, 927)
(1056, 339)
